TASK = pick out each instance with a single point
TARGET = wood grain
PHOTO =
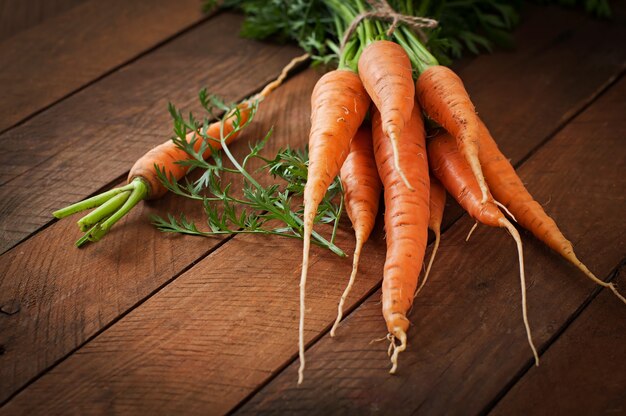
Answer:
(66, 295)
(584, 372)
(467, 340)
(74, 148)
(49, 61)
(18, 15)
(228, 325)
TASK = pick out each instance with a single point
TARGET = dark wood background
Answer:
(149, 323)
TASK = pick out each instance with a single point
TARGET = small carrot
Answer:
(362, 187)
(385, 69)
(338, 106)
(406, 222)
(452, 170)
(437, 205)
(143, 180)
(507, 188)
(442, 95)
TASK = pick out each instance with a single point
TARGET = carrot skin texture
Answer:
(443, 97)
(167, 154)
(338, 106)
(406, 218)
(361, 184)
(385, 69)
(362, 188)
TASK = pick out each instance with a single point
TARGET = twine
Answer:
(382, 10)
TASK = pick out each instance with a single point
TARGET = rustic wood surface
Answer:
(128, 111)
(147, 323)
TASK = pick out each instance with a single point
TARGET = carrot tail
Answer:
(571, 257)
(471, 231)
(308, 227)
(396, 161)
(513, 231)
(430, 262)
(346, 292)
(267, 90)
(397, 349)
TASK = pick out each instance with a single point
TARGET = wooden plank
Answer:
(74, 148)
(49, 61)
(63, 294)
(467, 340)
(584, 372)
(226, 326)
(66, 295)
(19, 15)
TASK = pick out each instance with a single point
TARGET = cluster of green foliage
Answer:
(464, 25)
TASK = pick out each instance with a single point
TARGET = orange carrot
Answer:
(406, 222)
(437, 205)
(444, 99)
(338, 105)
(508, 188)
(385, 69)
(167, 154)
(362, 187)
(452, 170)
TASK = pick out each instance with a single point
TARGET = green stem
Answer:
(94, 201)
(103, 211)
(138, 194)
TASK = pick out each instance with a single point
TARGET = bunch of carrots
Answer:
(368, 127)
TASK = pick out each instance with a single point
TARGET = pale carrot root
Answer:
(430, 262)
(397, 349)
(518, 241)
(509, 213)
(471, 231)
(571, 257)
(346, 292)
(308, 228)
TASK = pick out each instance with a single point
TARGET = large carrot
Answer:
(508, 189)
(436, 207)
(362, 187)
(444, 99)
(338, 106)
(406, 222)
(143, 180)
(452, 170)
(385, 69)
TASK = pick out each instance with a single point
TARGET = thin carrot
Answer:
(452, 170)
(143, 180)
(338, 106)
(437, 205)
(362, 187)
(406, 222)
(508, 188)
(444, 99)
(385, 69)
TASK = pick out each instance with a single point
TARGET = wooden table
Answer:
(146, 323)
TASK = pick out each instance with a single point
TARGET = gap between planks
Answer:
(559, 332)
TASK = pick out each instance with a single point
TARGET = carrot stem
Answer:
(94, 201)
(103, 211)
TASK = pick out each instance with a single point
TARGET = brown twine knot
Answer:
(383, 11)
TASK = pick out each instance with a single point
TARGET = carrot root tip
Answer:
(397, 349)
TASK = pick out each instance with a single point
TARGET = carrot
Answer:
(385, 69)
(143, 180)
(406, 222)
(436, 207)
(362, 187)
(452, 170)
(338, 106)
(507, 187)
(444, 99)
